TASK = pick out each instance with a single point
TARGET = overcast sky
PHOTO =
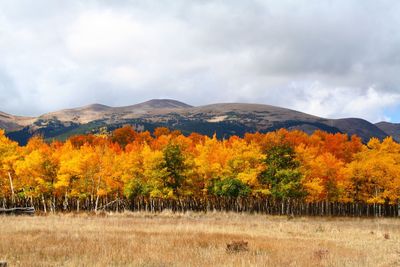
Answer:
(328, 58)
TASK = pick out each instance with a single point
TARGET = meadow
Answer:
(197, 239)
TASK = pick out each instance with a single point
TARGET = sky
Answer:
(328, 58)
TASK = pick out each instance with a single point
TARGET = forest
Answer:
(280, 172)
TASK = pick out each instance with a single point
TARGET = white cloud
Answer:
(345, 102)
(332, 59)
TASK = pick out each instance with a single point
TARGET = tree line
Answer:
(281, 172)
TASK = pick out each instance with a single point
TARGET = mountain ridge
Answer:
(392, 129)
(224, 119)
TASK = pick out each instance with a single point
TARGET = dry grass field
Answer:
(195, 239)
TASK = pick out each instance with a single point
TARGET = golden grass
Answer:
(195, 239)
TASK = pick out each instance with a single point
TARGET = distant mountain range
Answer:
(224, 119)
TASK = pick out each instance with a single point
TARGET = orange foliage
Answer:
(333, 167)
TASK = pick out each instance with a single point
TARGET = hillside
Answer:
(13, 123)
(95, 112)
(224, 119)
(392, 129)
(360, 127)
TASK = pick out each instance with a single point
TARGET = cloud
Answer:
(344, 102)
(314, 56)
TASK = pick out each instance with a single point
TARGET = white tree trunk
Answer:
(12, 189)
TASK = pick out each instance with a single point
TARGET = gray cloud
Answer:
(310, 55)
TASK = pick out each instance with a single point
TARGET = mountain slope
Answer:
(392, 129)
(14, 123)
(95, 112)
(158, 104)
(80, 115)
(224, 119)
(360, 127)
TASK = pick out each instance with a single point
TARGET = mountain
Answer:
(79, 115)
(360, 127)
(392, 129)
(224, 119)
(158, 104)
(95, 112)
(13, 123)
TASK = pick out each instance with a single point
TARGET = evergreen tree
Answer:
(282, 174)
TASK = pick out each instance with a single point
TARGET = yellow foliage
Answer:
(333, 167)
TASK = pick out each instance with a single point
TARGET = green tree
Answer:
(174, 164)
(229, 187)
(282, 174)
(135, 187)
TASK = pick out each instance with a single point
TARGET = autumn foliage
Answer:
(91, 169)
